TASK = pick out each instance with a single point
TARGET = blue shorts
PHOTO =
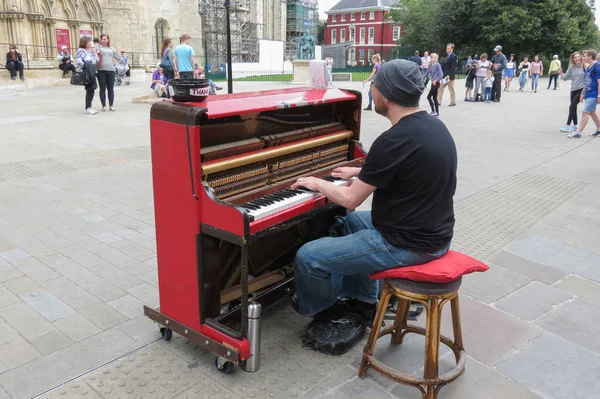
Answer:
(589, 105)
(509, 73)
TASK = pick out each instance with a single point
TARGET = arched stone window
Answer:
(161, 28)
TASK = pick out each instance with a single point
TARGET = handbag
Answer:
(77, 79)
(165, 63)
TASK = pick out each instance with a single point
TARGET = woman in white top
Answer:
(509, 72)
(524, 72)
(483, 66)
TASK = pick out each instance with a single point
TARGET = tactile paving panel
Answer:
(150, 373)
(77, 389)
(490, 220)
(64, 164)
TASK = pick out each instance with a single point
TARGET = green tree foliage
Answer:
(321, 32)
(521, 26)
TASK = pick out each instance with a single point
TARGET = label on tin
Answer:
(203, 91)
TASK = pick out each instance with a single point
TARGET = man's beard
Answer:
(381, 109)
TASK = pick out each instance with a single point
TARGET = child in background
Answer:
(489, 83)
(199, 74)
(469, 84)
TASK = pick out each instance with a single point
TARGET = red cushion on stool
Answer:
(443, 270)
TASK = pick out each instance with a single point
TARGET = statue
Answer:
(306, 46)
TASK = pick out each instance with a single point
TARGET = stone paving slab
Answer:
(556, 368)
(575, 321)
(478, 381)
(583, 288)
(532, 301)
(48, 371)
(345, 383)
(494, 284)
(558, 255)
(489, 335)
(526, 267)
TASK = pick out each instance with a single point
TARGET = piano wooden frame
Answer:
(191, 221)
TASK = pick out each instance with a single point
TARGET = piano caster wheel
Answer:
(224, 366)
(166, 333)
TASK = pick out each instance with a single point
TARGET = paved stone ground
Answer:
(78, 261)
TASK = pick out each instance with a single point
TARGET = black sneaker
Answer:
(596, 134)
(366, 311)
(368, 108)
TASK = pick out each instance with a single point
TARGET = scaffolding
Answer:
(244, 43)
(302, 18)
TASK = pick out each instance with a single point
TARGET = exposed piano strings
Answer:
(283, 168)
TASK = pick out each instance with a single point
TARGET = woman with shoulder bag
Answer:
(554, 71)
(86, 60)
(167, 59)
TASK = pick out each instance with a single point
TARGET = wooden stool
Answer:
(433, 296)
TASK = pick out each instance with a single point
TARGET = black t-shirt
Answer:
(413, 166)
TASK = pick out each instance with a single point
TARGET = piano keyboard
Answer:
(285, 199)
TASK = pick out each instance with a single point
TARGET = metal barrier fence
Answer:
(32, 54)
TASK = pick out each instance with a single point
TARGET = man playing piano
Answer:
(411, 172)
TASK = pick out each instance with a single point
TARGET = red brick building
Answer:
(363, 26)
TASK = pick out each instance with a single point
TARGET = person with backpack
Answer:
(589, 96)
(167, 58)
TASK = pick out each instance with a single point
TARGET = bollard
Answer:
(253, 363)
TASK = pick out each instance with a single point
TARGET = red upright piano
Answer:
(227, 223)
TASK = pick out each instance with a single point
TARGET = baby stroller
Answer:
(122, 69)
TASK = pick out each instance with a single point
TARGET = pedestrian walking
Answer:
(14, 62)
(449, 69)
(589, 96)
(425, 63)
(416, 58)
(554, 71)
(498, 67)
(167, 59)
(106, 71)
(482, 66)
(509, 72)
(376, 60)
(185, 58)
(436, 74)
(536, 70)
(86, 59)
(577, 75)
(329, 62)
(523, 73)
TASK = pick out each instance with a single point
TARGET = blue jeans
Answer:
(523, 80)
(370, 96)
(488, 94)
(333, 267)
(535, 78)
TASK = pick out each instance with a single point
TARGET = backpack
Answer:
(165, 63)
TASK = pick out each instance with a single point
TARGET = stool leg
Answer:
(370, 346)
(432, 344)
(401, 320)
(456, 326)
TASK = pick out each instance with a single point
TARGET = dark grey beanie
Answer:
(401, 82)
